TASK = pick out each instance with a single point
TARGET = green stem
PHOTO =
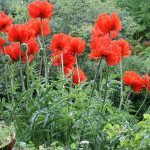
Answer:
(12, 81)
(20, 68)
(96, 74)
(105, 94)
(6, 77)
(121, 89)
(77, 69)
(45, 57)
(127, 97)
(27, 70)
(41, 59)
(62, 63)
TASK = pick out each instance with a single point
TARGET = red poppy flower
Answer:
(107, 24)
(99, 46)
(33, 47)
(68, 59)
(146, 82)
(5, 22)
(35, 27)
(76, 45)
(13, 51)
(113, 57)
(103, 23)
(115, 24)
(111, 51)
(96, 31)
(41, 9)
(2, 41)
(78, 76)
(60, 42)
(125, 48)
(101, 42)
(133, 80)
(18, 33)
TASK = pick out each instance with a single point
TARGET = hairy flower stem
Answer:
(41, 59)
(62, 64)
(96, 74)
(77, 68)
(45, 56)
(6, 77)
(21, 74)
(121, 88)
(27, 71)
(12, 81)
(105, 94)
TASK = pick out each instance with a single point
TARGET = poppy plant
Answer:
(33, 47)
(60, 42)
(13, 51)
(76, 45)
(105, 24)
(134, 80)
(40, 9)
(101, 43)
(113, 56)
(104, 48)
(5, 22)
(34, 27)
(18, 33)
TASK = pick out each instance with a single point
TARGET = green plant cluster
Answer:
(139, 11)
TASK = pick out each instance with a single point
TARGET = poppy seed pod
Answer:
(7, 58)
(24, 47)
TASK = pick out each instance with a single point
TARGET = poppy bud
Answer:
(24, 47)
(7, 58)
(41, 52)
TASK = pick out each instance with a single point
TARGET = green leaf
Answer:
(147, 116)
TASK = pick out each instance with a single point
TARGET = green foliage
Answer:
(139, 10)
(131, 137)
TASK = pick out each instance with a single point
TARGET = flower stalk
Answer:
(27, 70)
(77, 69)
(96, 75)
(62, 63)
(121, 88)
(20, 69)
(44, 51)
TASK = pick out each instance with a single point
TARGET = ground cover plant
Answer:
(75, 87)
